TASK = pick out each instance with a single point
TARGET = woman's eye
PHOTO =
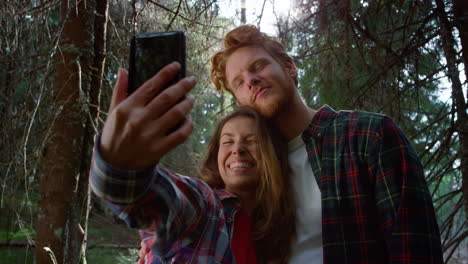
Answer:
(226, 142)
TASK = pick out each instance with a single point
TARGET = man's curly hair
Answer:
(245, 35)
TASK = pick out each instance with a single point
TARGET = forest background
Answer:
(58, 63)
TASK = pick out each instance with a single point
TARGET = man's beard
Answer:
(274, 107)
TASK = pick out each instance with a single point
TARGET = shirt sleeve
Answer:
(404, 204)
(171, 207)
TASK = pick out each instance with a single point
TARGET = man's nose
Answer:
(253, 80)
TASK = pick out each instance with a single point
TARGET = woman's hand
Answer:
(142, 253)
(140, 128)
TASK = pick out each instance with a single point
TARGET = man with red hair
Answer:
(359, 185)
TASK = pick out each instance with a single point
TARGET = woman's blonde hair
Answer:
(242, 36)
(274, 215)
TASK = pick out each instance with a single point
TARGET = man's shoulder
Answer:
(350, 122)
(348, 114)
(353, 117)
(359, 117)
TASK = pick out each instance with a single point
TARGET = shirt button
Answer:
(229, 219)
(319, 134)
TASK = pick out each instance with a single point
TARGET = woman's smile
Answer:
(237, 154)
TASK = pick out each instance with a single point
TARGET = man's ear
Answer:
(291, 69)
(234, 98)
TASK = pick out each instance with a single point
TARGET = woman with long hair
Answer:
(273, 211)
(239, 210)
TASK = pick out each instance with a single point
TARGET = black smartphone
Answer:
(150, 52)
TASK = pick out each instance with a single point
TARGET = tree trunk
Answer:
(62, 182)
(459, 103)
(97, 70)
(460, 9)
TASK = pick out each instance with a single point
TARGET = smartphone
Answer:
(150, 52)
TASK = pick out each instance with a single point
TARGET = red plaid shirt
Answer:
(185, 221)
(376, 206)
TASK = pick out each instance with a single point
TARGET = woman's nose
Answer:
(238, 148)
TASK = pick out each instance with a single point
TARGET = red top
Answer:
(242, 243)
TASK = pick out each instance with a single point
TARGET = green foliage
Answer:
(366, 54)
(20, 92)
(16, 255)
(96, 255)
(112, 256)
(20, 235)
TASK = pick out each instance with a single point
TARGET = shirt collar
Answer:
(295, 143)
(321, 120)
(225, 195)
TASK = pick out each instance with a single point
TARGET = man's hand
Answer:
(140, 128)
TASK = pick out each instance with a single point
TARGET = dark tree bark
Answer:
(461, 22)
(97, 71)
(243, 11)
(459, 103)
(62, 183)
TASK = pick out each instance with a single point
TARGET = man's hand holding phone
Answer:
(144, 126)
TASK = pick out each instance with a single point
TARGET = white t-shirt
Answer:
(308, 245)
